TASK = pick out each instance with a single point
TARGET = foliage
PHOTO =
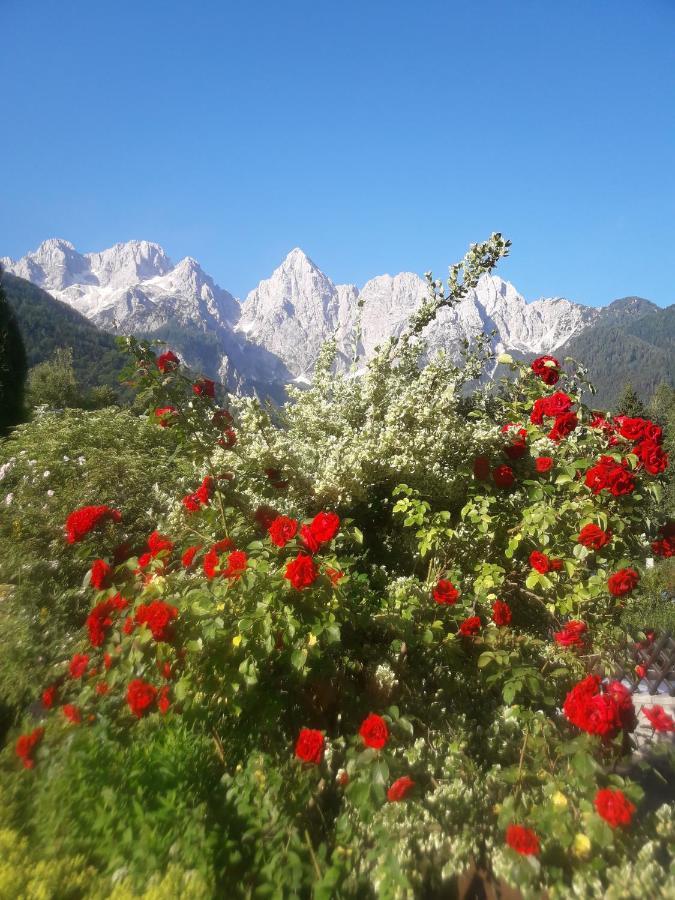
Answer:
(47, 468)
(398, 623)
(629, 404)
(12, 364)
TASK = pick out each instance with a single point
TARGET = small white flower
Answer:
(8, 499)
(46, 473)
(81, 460)
(50, 493)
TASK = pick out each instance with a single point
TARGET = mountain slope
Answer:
(48, 324)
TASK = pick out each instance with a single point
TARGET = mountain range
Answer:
(274, 335)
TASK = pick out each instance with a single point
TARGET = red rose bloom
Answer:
(100, 620)
(614, 807)
(481, 468)
(522, 840)
(101, 575)
(540, 562)
(610, 475)
(102, 688)
(470, 627)
(308, 539)
(167, 362)
(547, 368)
(601, 714)
(400, 789)
(236, 564)
(26, 745)
(189, 556)
(48, 696)
(72, 713)
(652, 457)
(204, 387)
(228, 440)
(201, 497)
(166, 416)
(622, 582)
(374, 731)
(572, 635)
(335, 575)
(638, 429)
(501, 613)
(324, 526)
(78, 665)
(556, 565)
(164, 704)
(83, 520)
(563, 426)
(310, 746)
(301, 572)
(503, 476)
(158, 617)
(659, 719)
(543, 464)
(623, 699)
(557, 404)
(282, 530)
(518, 446)
(445, 592)
(593, 537)
(141, 697)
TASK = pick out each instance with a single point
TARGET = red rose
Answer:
(163, 704)
(78, 665)
(301, 571)
(547, 368)
(470, 627)
(212, 558)
(26, 745)
(48, 696)
(100, 620)
(481, 468)
(188, 557)
(572, 635)
(400, 789)
(141, 697)
(335, 575)
(282, 530)
(652, 457)
(101, 575)
(659, 718)
(83, 520)
(72, 713)
(593, 537)
(308, 539)
(556, 565)
(563, 426)
(540, 562)
(518, 446)
(501, 613)
(310, 746)
(503, 476)
(557, 404)
(228, 440)
(538, 411)
(610, 475)
(167, 362)
(158, 617)
(638, 429)
(522, 840)
(264, 516)
(665, 545)
(166, 416)
(374, 731)
(324, 526)
(624, 703)
(204, 387)
(622, 582)
(445, 592)
(102, 688)
(614, 807)
(543, 464)
(236, 564)
(596, 713)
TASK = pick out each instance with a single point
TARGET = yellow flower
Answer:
(581, 846)
(311, 640)
(559, 800)
(236, 640)
(505, 358)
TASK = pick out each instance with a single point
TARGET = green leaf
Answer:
(298, 658)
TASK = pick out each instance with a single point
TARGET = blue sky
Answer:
(378, 136)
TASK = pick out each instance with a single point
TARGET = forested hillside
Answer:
(48, 324)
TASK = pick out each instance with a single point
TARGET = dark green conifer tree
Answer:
(629, 403)
(13, 365)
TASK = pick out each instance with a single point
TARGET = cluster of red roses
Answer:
(446, 594)
(82, 521)
(374, 733)
(572, 634)
(26, 745)
(659, 719)
(547, 368)
(201, 497)
(100, 619)
(602, 712)
(558, 407)
(543, 563)
(142, 697)
(664, 545)
(613, 806)
(302, 571)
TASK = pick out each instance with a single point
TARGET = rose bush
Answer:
(370, 651)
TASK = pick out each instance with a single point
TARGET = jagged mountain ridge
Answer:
(276, 333)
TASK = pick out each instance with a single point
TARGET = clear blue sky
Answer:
(378, 136)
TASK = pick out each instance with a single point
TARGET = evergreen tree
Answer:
(53, 383)
(13, 365)
(629, 404)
